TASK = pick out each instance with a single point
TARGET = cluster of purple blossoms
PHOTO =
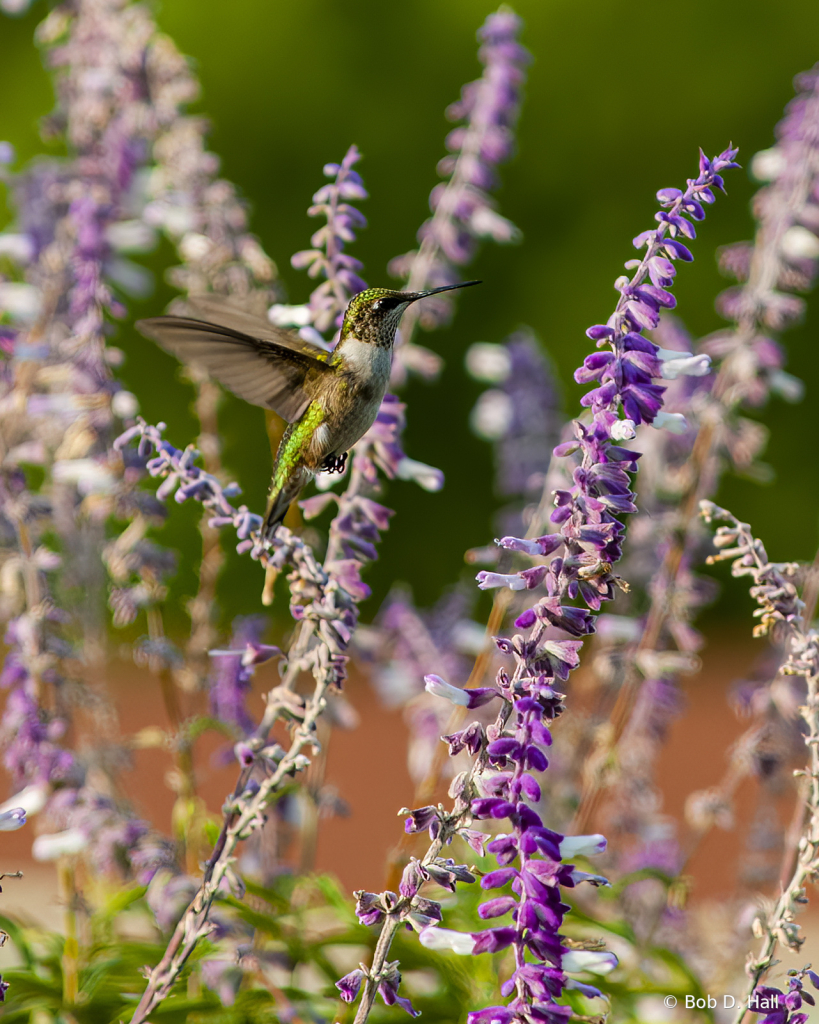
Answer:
(663, 547)
(462, 210)
(327, 259)
(784, 256)
(502, 783)
(780, 1007)
(519, 414)
(354, 532)
(781, 613)
(73, 223)
(587, 514)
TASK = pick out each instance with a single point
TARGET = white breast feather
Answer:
(360, 357)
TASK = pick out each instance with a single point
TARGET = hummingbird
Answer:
(329, 399)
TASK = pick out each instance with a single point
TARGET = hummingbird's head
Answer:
(373, 315)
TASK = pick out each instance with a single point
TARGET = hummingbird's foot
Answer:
(334, 463)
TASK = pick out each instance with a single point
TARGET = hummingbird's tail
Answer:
(276, 511)
(281, 499)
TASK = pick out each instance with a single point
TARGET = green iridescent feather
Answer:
(295, 442)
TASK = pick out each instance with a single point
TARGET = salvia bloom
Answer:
(462, 210)
(781, 614)
(513, 751)
(587, 513)
(777, 1007)
(332, 607)
(328, 259)
(519, 414)
(784, 255)
(661, 556)
(119, 88)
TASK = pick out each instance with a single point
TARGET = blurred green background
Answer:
(617, 103)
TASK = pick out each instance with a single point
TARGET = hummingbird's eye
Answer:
(377, 305)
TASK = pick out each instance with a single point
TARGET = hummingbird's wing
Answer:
(263, 364)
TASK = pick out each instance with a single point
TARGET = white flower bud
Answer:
(20, 301)
(15, 6)
(767, 164)
(582, 846)
(32, 799)
(130, 236)
(673, 422)
(489, 580)
(683, 364)
(59, 844)
(493, 415)
(623, 430)
(290, 316)
(485, 361)
(439, 688)
(90, 476)
(125, 405)
(19, 247)
(800, 243)
(486, 223)
(791, 388)
(598, 962)
(195, 246)
(428, 477)
(444, 938)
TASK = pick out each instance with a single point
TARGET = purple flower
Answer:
(350, 985)
(590, 534)
(413, 877)
(421, 819)
(369, 908)
(388, 989)
(470, 699)
(327, 258)
(231, 682)
(462, 210)
(521, 415)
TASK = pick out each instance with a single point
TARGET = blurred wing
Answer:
(270, 371)
(218, 309)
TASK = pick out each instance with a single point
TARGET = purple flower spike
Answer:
(463, 212)
(327, 258)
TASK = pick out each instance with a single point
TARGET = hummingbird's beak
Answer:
(443, 288)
